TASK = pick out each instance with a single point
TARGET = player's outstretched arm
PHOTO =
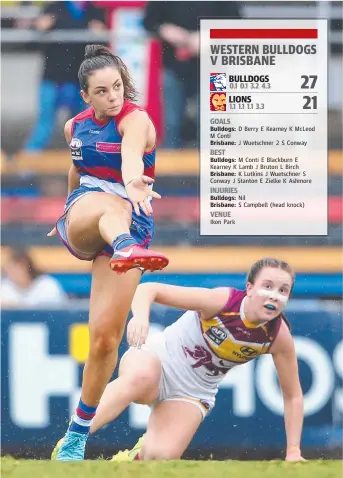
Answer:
(134, 129)
(286, 364)
(208, 302)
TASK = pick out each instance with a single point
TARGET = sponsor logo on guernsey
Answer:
(94, 131)
(104, 147)
(248, 351)
(216, 335)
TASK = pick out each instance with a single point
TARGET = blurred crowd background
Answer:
(43, 285)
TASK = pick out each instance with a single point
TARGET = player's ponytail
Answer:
(92, 51)
(98, 57)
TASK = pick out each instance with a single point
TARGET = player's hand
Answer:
(53, 232)
(139, 191)
(137, 331)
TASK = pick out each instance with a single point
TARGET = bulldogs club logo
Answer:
(218, 82)
(218, 101)
(75, 148)
(75, 144)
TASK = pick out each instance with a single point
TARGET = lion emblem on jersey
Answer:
(204, 358)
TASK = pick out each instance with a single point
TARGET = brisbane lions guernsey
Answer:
(212, 347)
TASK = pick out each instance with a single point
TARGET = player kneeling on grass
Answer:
(177, 371)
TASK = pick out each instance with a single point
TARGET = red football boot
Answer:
(134, 256)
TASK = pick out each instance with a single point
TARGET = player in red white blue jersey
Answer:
(108, 213)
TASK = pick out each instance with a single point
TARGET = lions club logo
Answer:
(218, 101)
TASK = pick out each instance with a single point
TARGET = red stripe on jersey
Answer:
(88, 113)
(102, 172)
(150, 172)
(127, 108)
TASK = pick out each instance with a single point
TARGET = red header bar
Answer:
(257, 33)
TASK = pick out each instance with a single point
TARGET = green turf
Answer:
(185, 469)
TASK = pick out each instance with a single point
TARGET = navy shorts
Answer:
(141, 229)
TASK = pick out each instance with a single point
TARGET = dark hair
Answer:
(269, 262)
(98, 57)
(24, 258)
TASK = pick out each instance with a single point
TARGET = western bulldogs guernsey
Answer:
(96, 151)
(212, 347)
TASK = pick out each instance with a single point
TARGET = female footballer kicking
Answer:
(108, 213)
(177, 371)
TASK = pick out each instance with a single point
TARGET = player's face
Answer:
(219, 102)
(270, 292)
(105, 91)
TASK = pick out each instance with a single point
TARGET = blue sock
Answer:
(124, 240)
(82, 419)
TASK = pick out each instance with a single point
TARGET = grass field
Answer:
(12, 468)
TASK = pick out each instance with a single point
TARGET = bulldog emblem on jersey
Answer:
(75, 147)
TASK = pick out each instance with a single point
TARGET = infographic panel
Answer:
(263, 158)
